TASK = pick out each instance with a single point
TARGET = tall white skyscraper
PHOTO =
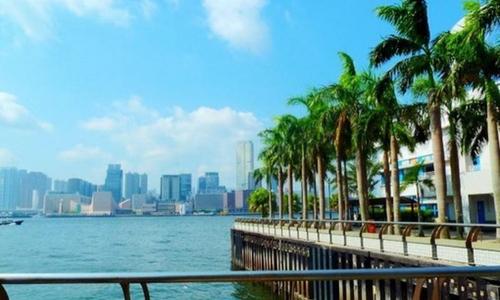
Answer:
(244, 165)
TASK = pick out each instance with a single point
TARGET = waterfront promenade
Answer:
(263, 244)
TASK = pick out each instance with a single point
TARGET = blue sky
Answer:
(167, 86)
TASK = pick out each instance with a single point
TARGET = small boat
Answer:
(11, 222)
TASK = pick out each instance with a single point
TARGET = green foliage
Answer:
(296, 204)
(259, 201)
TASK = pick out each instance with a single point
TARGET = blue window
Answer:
(476, 163)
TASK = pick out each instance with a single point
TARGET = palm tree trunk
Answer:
(346, 189)
(304, 185)
(439, 161)
(280, 192)
(315, 195)
(395, 181)
(290, 192)
(270, 202)
(340, 190)
(321, 185)
(455, 182)
(361, 181)
(387, 184)
(493, 147)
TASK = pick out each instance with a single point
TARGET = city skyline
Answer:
(164, 105)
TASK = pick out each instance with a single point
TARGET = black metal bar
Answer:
(3, 293)
(126, 290)
(145, 290)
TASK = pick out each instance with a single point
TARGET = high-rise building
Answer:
(114, 181)
(186, 181)
(60, 186)
(244, 165)
(143, 186)
(132, 185)
(9, 188)
(202, 185)
(80, 186)
(170, 188)
(211, 182)
(31, 182)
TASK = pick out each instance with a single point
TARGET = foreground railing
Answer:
(474, 243)
(143, 279)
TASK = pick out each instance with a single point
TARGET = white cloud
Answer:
(34, 17)
(239, 22)
(100, 124)
(148, 8)
(81, 152)
(181, 141)
(13, 114)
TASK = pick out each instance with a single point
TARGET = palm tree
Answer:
(265, 173)
(258, 201)
(352, 100)
(413, 44)
(287, 127)
(477, 64)
(412, 177)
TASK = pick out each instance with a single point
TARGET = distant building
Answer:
(60, 186)
(143, 184)
(209, 184)
(212, 182)
(10, 188)
(202, 185)
(63, 203)
(17, 188)
(165, 208)
(185, 192)
(132, 184)
(244, 165)
(138, 202)
(102, 204)
(228, 200)
(211, 202)
(241, 200)
(170, 188)
(114, 181)
(80, 186)
(125, 204)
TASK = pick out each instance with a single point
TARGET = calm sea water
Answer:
(125, 244)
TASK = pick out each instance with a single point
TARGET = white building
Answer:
(57, 204)
(475, 178)
(244, 165)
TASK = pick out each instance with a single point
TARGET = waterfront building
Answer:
(63, 203)
(475, 175)
(241, 200)
(60, 186)
(132, 184)
(31, 182)
(114, 181)
(102, 204)
(202, 185)
(170, 188)
(138, 202)
(244, 165)
(185, 189)
(210, 202)
(209, 184)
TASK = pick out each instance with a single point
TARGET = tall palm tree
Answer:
(476, 63)
(352, 98)
(287, 127)
(412, 42)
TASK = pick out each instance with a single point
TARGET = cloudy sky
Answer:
(166, 86)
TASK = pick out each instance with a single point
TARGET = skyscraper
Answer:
(211, 182)
(170, 188)
(80, 186)
(202, 185)
(244, 165)
(132, 184)
(60, 186)
(114, 181)
(9, 188)
(143, 186)
(31, 182)
(186, 180)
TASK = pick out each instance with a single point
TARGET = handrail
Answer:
(249, 276)
(378, 222)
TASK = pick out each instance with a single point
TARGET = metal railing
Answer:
(143, 279)
(437, 231)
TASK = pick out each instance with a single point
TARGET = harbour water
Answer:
(121, 244)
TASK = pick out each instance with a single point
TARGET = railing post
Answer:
(472, 236)
(126, 290)
(145, 290)
(3, 293)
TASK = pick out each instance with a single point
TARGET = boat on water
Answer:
(11, 222)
